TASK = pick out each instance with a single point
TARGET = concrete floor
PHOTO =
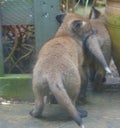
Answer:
(103, 112)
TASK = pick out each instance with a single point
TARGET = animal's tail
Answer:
(94, 48)
(64, 100)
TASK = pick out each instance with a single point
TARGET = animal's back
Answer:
(59, 53)
(102, 32)
(58, 60)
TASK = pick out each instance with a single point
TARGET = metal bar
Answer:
(1, 50)
(45, 22)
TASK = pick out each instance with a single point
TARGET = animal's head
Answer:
(94, 14)
(73, 24)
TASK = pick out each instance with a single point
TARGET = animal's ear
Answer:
(77, 24)
(60, 17)
(94, 14)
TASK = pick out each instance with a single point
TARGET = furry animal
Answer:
(59, 67)
(97, 72)
(96, 45)
(97, 53)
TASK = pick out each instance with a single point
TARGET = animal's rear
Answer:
(65, 88)
(64, 85)
(57, 69)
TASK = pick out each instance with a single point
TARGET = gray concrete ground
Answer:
(103, 110)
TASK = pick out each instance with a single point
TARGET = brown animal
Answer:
(96, 45)
(97, 52)
(97, 73)
(59, 67)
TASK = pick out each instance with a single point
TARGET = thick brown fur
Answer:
(59, 67)
(97, 73)
(92, 66)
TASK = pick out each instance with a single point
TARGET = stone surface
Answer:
(103, 112)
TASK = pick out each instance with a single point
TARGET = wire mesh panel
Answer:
(26, 25)
(18, 47)
(16, 12)
(18, 39)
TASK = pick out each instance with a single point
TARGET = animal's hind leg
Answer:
(99, 79)
(83, 90)
(39, 103)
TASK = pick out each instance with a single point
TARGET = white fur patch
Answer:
(83, 23)
(107, 69)
(82, 126)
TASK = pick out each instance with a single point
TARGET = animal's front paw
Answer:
(35, 114)
(83, 113)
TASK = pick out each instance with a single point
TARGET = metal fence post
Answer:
(1, 50)
(45, 23)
